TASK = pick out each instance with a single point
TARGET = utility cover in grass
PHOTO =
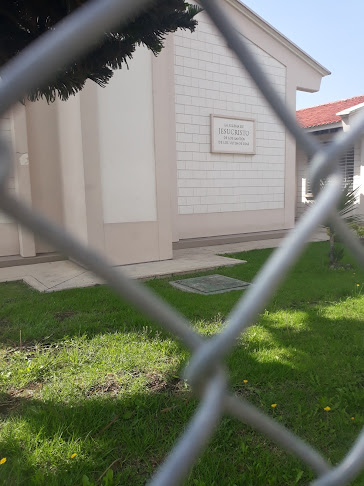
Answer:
(211, 284)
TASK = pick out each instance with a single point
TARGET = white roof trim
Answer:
(350, 110)
(326, 126)
(282, 39)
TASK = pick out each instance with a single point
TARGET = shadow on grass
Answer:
(42, 436)
(296, 357)
(29, 317)
(90, 311)
(135, 444)
(138, 430)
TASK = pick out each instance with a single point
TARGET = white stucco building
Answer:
(132, 169)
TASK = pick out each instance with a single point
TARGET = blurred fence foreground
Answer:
(205, 372)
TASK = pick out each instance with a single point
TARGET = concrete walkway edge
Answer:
(62, 275)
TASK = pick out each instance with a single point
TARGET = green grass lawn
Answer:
(83, 373)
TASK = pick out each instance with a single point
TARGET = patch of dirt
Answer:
(14, 397)
(61, 316)
(111, 387)
(27, 391)
(30, 350)
(341, 266)
(158, 383)
(143, 469)
(247, 392)
(8, 403)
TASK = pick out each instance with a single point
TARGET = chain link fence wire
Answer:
(206, 373)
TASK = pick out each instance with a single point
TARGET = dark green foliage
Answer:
(346, 208)
(337, 254)
(23, 21)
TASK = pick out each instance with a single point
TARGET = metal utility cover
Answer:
(210, 284)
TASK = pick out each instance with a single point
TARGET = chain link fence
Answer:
(206, 372)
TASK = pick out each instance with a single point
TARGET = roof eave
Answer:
(350, 110)
(324, 126)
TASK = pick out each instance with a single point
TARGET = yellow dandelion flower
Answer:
(3, 460)
(357, 285)
(245, 381)
(73, 456)
(352, 418)
(273, 405)
(327, 409)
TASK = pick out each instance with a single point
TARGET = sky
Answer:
(330, 31)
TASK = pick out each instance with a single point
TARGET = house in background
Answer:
(178, 150)
(324, 122)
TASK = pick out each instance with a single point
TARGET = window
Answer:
(346, 164)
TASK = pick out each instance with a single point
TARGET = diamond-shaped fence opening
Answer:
(205, 372)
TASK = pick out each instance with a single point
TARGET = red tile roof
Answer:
(325, 114)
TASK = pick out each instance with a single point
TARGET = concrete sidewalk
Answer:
(61, 275)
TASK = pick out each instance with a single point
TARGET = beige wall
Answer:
(5, 133)
(126, 129)
(44, 164)
(104, 164)
(135, 159)
(91, 165)
(209, 80)
(222, 194)
(95, 162)
(22, 175)
(9, 238)
(71, 161)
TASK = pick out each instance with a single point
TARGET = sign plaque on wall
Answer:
(232, 135)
